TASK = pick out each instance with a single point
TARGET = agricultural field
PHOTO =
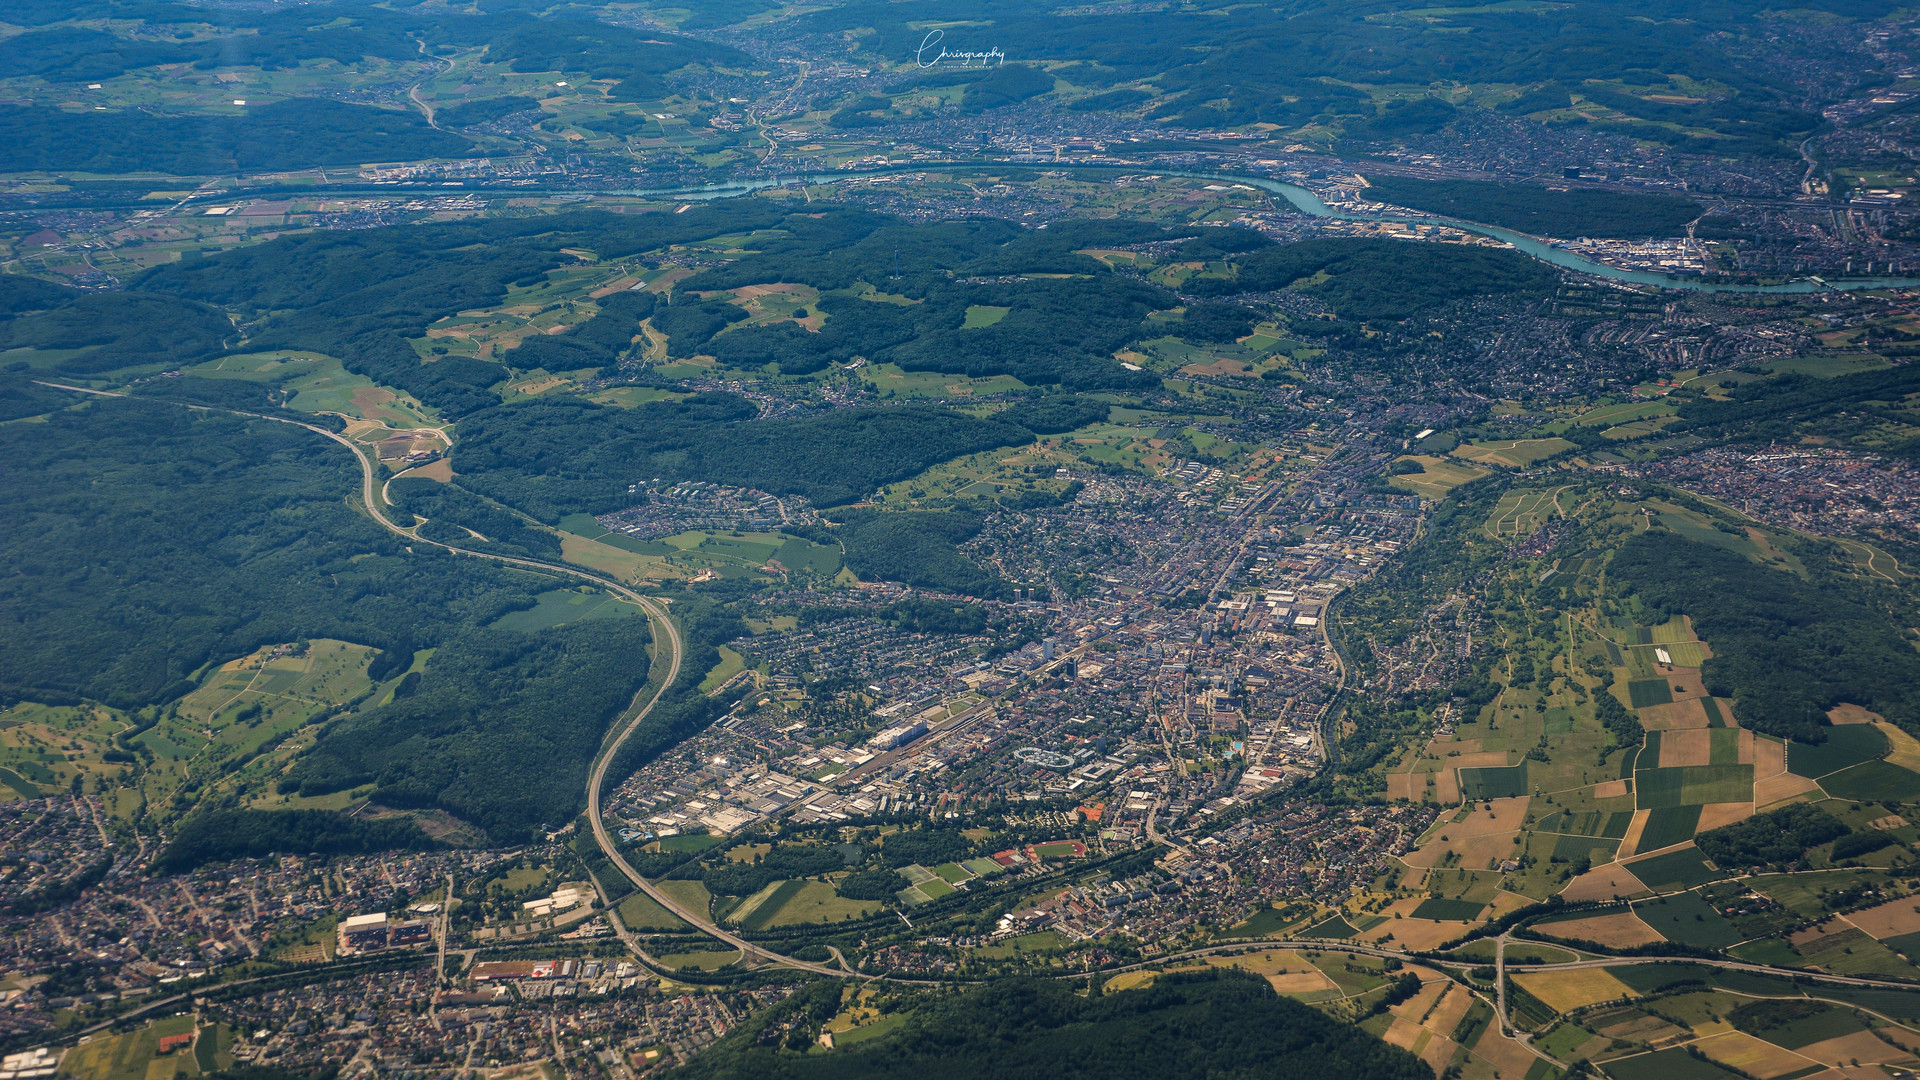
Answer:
(1541, 795)
(261, 704)
(1626, 412)
(1512, 453)
(1008, 472)
(48, 749)
(1437, 478)
(891, 382)
(316, 383)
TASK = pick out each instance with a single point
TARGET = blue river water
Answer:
(1308, 203)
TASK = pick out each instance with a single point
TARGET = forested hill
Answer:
(1221, 1026)
(1785, 648)
(1061, 331)
(361, 295)
(1542, 211)
(144, 540)
(1857, 410)
(566, 456)
(1220, 66)
(1383, 279)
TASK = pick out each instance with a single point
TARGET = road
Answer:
(665, 633)
(668, 634)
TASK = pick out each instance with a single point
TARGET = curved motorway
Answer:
(665, 634)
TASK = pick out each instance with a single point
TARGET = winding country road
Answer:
(665, 633)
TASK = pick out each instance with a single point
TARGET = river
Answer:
(1307, 202)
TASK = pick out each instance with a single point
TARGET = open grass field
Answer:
(891, 382)
(317, 383)
(274, 693)
(1606, 416)
(796, 903)
(1803, 893)
(704, 960)
(983, 315)
(688, 894)
(1826, 367)
(1439, 478)
(43, 747)
(642, 912)
(1848, 951)
(1512, 453)
(731, 664)
(610, 560)
(631, 397)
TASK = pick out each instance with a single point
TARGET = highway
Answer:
(665, 634)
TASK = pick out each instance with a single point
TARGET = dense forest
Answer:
(1212, 67)
(21, 395)
(277, 40)
(482, 110)
(360, 295)
(1219, 1025)
(499, 730)
(119, 329)
(1541, 211)
(919, 548)
(1853, 409)
(1241, 66)
(1777, 840)
(1054, 414)
(454, 514)
(1385, 279)
(1785, 649)
(1054, 331)
(145, 540)
(682, 710)
(296, 133)
(555, 458)
(222, 835)
(598, 342)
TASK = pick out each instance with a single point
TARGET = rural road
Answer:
(665, 632)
